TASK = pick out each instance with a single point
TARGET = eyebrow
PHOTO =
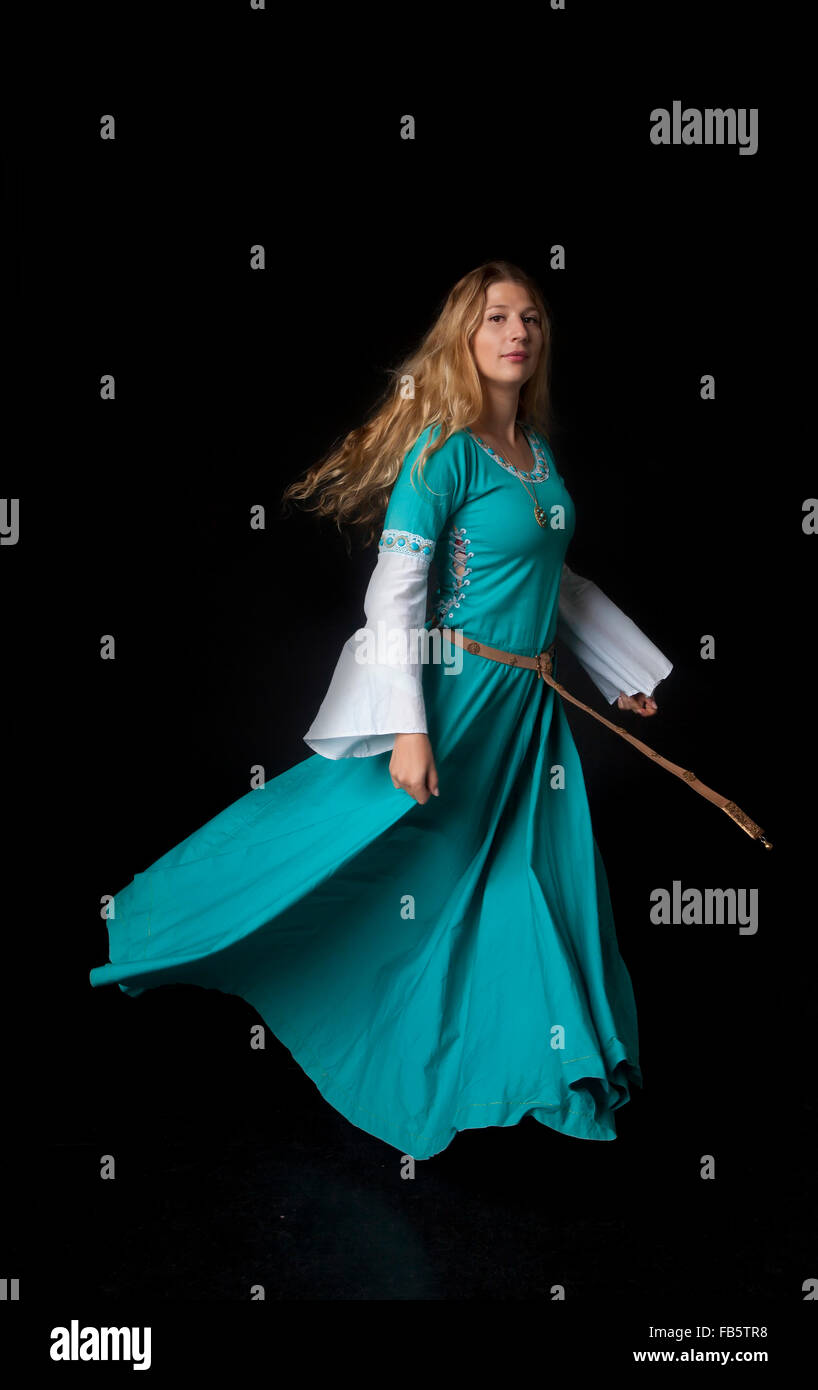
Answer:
(505, 306)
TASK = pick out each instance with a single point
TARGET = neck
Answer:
(499, 413)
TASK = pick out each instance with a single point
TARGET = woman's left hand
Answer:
(639, 703)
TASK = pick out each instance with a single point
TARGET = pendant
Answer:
(542, 519)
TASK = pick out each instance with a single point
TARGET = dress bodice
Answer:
(502, 580)
(499, 568)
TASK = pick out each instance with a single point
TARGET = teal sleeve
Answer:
(376, 691)
(421, 503)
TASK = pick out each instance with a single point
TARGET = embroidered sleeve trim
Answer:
(406, 543)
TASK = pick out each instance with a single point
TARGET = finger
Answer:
(415, 789)
(432, 782)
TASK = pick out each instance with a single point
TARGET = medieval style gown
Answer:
(448, 966)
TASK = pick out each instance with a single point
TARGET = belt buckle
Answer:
(545, 665)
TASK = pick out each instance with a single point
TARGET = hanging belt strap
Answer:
(543, 664)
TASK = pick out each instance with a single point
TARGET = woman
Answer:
(419, 911)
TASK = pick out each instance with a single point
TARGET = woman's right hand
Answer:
(412, 767)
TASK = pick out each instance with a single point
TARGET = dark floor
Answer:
(231, 1170)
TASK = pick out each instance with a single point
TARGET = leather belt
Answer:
(543, 664)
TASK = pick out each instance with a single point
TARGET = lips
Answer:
(515, 354)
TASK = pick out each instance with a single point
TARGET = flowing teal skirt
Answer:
(431, 968)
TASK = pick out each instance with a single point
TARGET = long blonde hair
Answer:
(437, 383)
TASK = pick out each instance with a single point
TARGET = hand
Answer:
(639, 703)
(412, 767)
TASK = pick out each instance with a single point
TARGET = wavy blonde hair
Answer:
(437, 383)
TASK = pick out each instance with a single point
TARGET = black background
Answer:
(131, 257)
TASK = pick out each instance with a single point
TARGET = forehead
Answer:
(506, 295)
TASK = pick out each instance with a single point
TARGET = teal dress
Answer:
(453, 965)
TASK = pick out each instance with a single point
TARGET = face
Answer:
(510, 324)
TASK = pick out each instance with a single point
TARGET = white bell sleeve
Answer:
(376, 689)
(615, 653)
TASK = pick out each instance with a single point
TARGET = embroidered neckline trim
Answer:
(538, 473)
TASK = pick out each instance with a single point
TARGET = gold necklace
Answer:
(541, 517)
